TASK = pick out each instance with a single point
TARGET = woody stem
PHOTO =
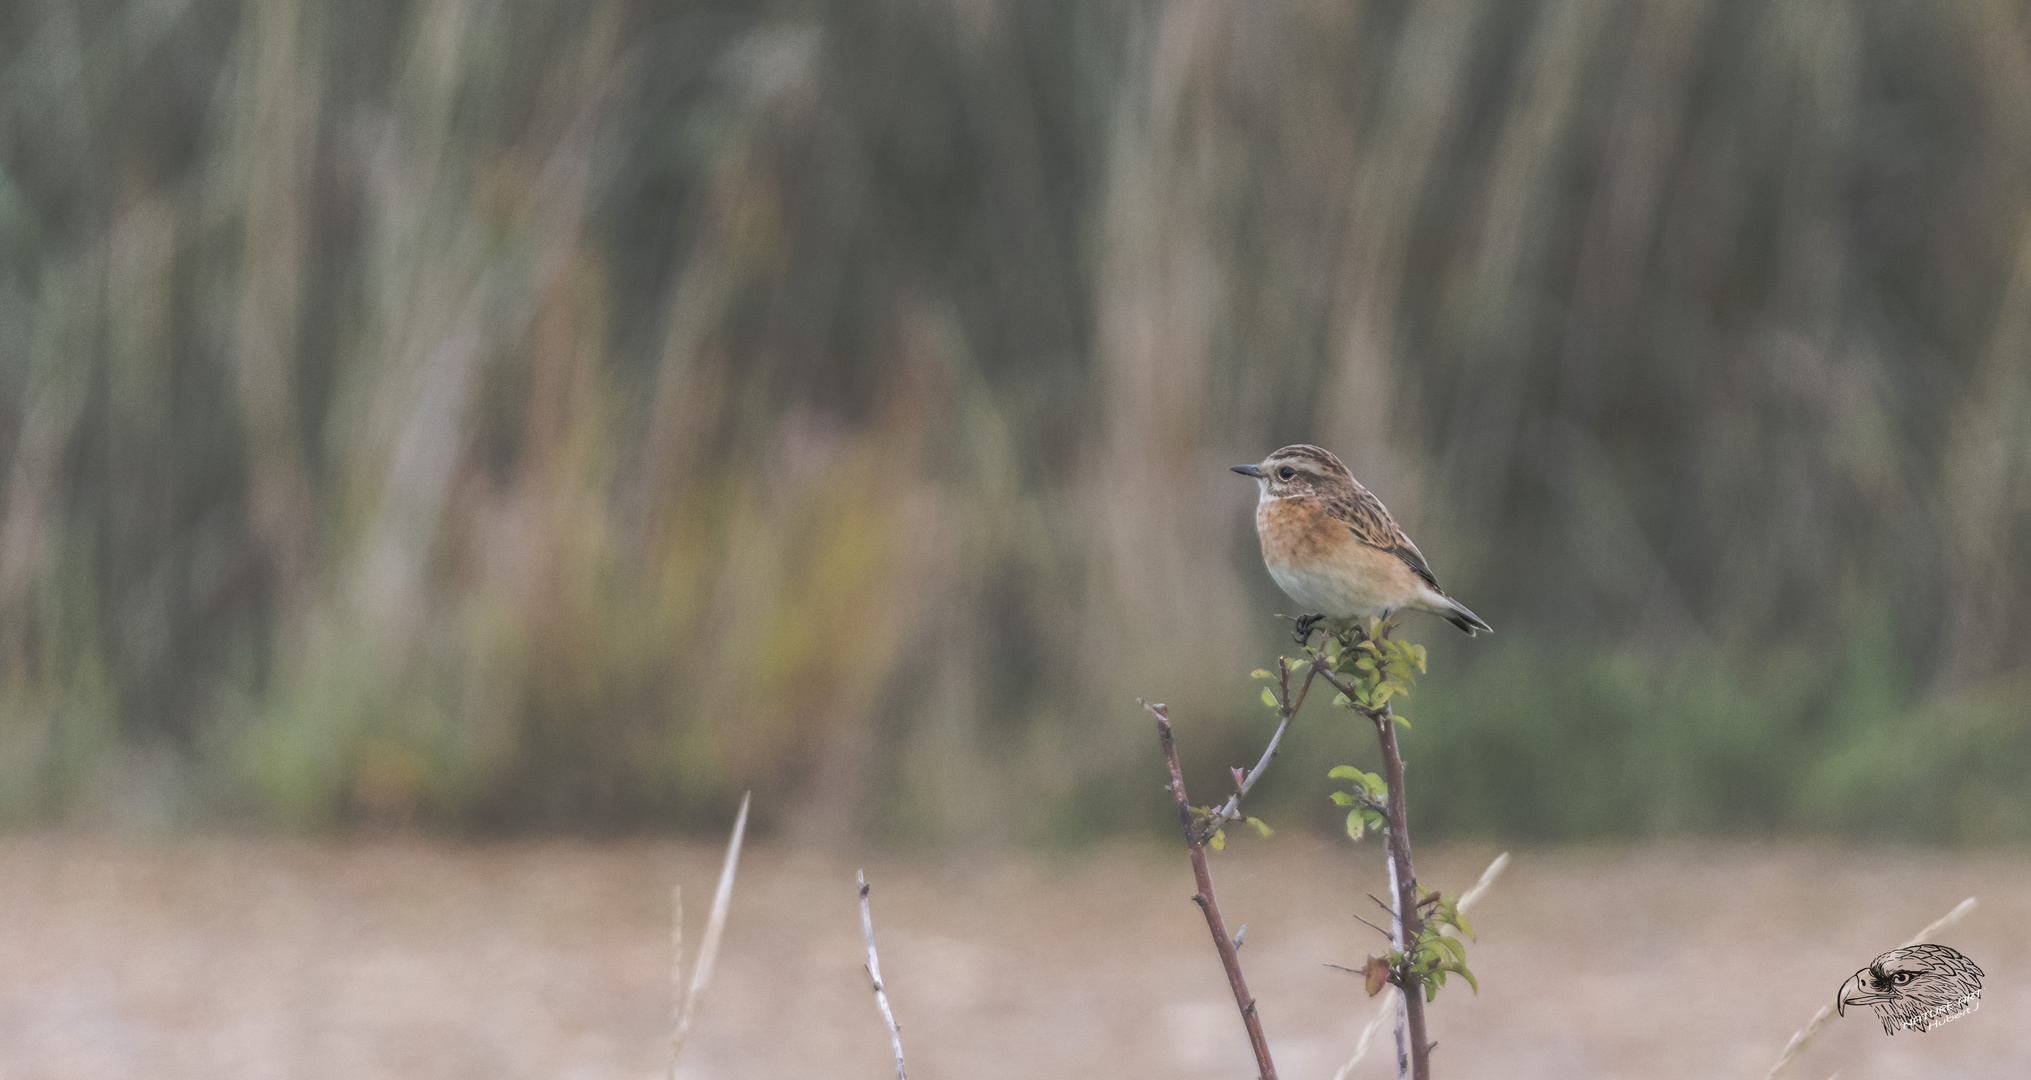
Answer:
(1230, 956)
(1403, 901)
(1413, 1049)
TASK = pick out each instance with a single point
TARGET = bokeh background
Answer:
(483, 417)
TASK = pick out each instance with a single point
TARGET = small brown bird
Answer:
(1330, 544)
(1920, 988)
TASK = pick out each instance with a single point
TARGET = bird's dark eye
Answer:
(1902, 977)
(1286, 473)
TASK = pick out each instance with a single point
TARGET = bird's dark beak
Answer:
(1253, 472)
(1861, 996)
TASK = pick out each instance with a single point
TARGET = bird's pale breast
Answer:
(1318, 562)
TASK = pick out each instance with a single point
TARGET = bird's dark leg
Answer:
(1303, 627)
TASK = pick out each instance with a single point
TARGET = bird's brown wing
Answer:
(1369, 520)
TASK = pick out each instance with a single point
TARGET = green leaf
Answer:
(1344, 772)
(1268, 698)
(1452, 945)
(1264, 830)
(1342, 701)
(1401, 719)
(1219, 841)
(1341, 798)
(1354, 820)
(1373, 784)
(1471, 980)
(1431, 991)
(1262, 673)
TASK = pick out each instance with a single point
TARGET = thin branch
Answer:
(1373, 927)
(1409, 924)
(874, 971)
(1343, 688)
(1413, 1050)
(1230, 958)
(1819, 1019)
(708, 950)
(1386, 1007)
(1409, 986)
(1287, 710)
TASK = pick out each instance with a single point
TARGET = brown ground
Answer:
(236, 958)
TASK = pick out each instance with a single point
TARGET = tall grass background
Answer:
(494, 416)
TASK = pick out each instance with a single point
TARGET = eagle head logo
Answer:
(1918, 988)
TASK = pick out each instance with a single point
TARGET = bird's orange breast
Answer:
(1298, 531)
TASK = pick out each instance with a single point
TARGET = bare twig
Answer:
(1386, 1007)
(874, 971)
(1819, 1019)
(1287, 708)
(1411, 987)
(708, 949)
(1230, 958)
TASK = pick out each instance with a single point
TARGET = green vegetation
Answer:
(1371, 669)
(565, 416)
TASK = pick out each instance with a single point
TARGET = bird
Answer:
(1332, 546)
(1919, 987)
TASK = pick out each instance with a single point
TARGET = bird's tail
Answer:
(1457, 614)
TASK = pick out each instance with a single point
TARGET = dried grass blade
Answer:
(715, 926)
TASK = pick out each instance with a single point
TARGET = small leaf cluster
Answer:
(1368, 662)
(1278, 699)
(1437, 954)
(1368, 800)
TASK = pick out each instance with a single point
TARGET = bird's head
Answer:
(1296, 471)
(1911, 986)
